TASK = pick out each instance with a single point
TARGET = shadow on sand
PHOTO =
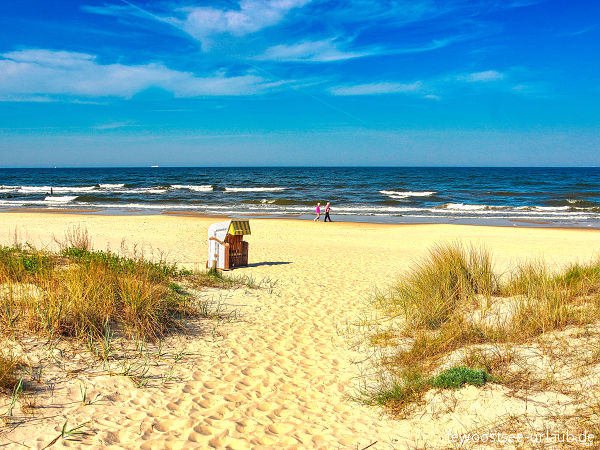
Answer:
(269, 263)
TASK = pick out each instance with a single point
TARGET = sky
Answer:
(299, 82)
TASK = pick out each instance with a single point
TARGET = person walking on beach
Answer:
(318, 210)
(327, 210)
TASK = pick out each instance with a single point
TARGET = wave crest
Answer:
(192, 187)
(254, 189)
(400, 195)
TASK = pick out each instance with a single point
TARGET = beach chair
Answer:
(226, 246)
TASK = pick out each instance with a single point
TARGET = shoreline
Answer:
(475, 222)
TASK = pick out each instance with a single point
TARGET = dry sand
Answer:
(281, 377)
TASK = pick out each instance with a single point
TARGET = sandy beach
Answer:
(282, 376)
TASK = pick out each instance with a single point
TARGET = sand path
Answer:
(282, 375)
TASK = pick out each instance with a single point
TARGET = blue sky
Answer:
(299, 82)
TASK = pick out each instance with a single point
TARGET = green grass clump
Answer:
(19, 264)
(216, 278)
(448, 278)
(457, 377)
(584, 279)
(412, 384)
(158, 270)
(408, 389)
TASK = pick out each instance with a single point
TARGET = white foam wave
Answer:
(463, 207)
(47, 189)
(116, 188)
(140, 191)
(60, 199)
(254, 189)
(399, 195)
(195, 188)
(552, 208)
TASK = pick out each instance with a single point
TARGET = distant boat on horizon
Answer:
(153, 166)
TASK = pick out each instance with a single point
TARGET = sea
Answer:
(469, 195)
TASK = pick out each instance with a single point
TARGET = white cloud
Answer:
(485, 76)
(114, 125)
(48, 72)
(538, 89)
(311, 51)
(252, 16)
(378, 88)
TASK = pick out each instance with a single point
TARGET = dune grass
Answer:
(77, 292)
(81, 293)
(450, 277)
(435, 304)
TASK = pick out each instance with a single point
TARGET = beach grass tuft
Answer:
(445, 280)
(90, 290)
(451, 302)
(83, 293)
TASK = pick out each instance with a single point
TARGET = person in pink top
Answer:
(318, 210)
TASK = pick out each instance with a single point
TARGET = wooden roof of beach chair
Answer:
(235, 227)
(239, 227)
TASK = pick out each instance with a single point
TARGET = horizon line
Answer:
(303, 167)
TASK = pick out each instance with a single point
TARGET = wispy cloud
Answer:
(578, 32)
(211, 25)
(206, 23)
(114, 125)
(539, 89)
(329, 50)
(482, 77)
(47, 72)
(429, 46)
(378, 88)
(325, 50)
(107, 10)
(25, 98)
(203, 22)
(448, 85)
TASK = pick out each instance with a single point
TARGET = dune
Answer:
(282, 376)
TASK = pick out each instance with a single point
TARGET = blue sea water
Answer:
(544, 196)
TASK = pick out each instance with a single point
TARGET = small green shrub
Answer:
(457, 377)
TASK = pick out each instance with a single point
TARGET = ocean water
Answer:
(534, 196)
